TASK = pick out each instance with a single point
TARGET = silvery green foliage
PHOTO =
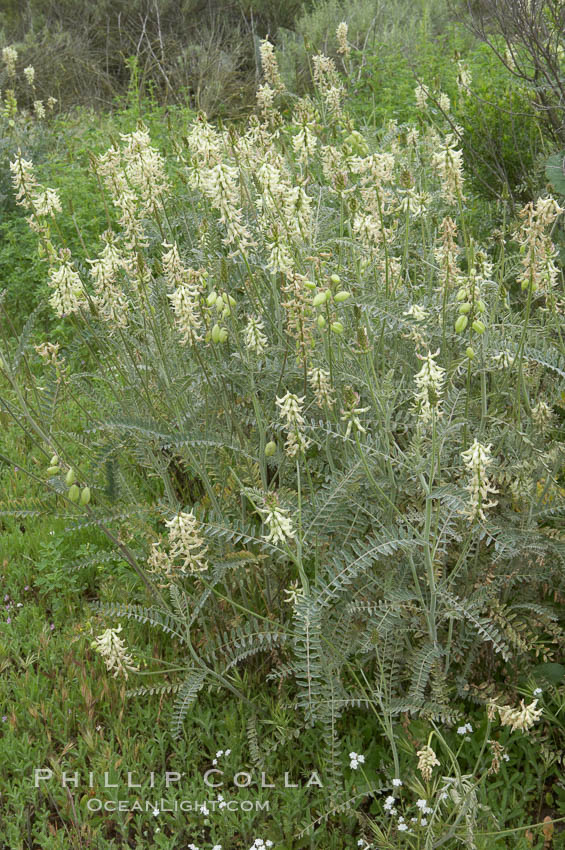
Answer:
(332, 519)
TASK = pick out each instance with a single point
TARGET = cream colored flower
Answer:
(429, 382)
(448, 162)
(427, 760)
(319, 380)
(10, 57)
(255, 339)
(477, 460)
(522, 718)
(270, 66)
(343, 47)
(186, 543)
(279, 523)
(290, 406)
(113, 650)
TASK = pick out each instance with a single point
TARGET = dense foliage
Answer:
(299, 400)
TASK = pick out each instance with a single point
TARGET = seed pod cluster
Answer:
(74, 492)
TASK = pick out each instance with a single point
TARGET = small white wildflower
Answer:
(537, 692)
(255, 339)
(389, 803)
(49, 352)
(522, 718)
(113, 650)
(448, 162)
(503, 360)
(427, 760)
(402, 827)
(351, 415)
(68, 294)
(542, 416)
(343, 47)
(421, 93)
(355, 760)
(186, 542)
(463, 77)
(290, 406)
(443, 102)
(292, 593)
(416, 312)
(23, 180)
(429, 382)
(463, 730)
(397, 783)
(9, 57)
(304, 144)
(279, 524)
(265, 96)
(47, 202)
(319, 380)
(270, 66)
(413, 202)
(477, 460)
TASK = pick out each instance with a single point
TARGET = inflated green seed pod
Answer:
(211, 300)
(481, 306)
(337, 327)
(470, 352)
(309, 284)
(461, 324)
(270, 448)
(223, 335)
(85, 496)
(232, 302)
(335, 279)
(478, 326)
(226, 312)
(216, 333)
(462, 294)
(465, 308)
(54, 461)
(74, 493)
(219, 303)
(319, 298)
(342, 296)
(53, 470)
(321, 322)
(70, 477)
